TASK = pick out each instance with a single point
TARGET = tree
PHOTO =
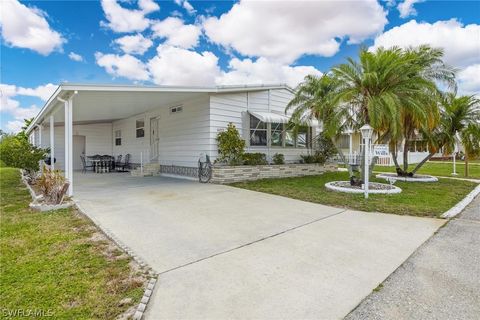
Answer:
(17, 152)
(459, 122)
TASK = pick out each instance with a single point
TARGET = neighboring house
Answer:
(168, 125)
(351, 145)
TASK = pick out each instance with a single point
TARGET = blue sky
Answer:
(178, 42)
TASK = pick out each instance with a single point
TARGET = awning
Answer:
(270, 117)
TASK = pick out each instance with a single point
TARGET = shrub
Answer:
(230, 146)
(254, 159)
(51, 184)
(307, 158)
(325, 148)
(17, 152)
(278, 158)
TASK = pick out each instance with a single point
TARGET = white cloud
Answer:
(263, 71)
(176, 32)
(14, 126)
(286, 30)
(75, 57)
(406, 8)
(461, 43)
(148, 6)
(136, 44)
(13, 108)
(177, 66)
(126, 20)
(186, 5)
(126, 66)
(43, 92)
(469, 80)
(26, 27)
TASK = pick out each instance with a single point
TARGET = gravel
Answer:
(441, 280)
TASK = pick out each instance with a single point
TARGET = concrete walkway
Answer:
(440, 281)
(230, 253)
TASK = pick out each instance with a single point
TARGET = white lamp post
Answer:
(367, 132)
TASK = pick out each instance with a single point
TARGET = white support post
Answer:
(366, 182)
(68, 145)
(52, 142)
(40, 136)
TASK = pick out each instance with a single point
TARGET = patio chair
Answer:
(126, 164)
(117, 162)
(84, 164)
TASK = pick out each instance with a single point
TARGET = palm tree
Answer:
(459, 120)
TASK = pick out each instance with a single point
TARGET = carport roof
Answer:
(120, 93)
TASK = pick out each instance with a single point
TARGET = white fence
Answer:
(384, 157)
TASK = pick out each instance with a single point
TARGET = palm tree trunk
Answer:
(405, 156)
(466, 165)
(430, 155)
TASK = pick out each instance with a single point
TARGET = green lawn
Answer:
(441, 169)
(418, 199)
(57, 262)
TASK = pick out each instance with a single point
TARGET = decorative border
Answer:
(142, 306)
(330, 186)
(456, 209)
(151, 273)
(426, 178)
(179, 170)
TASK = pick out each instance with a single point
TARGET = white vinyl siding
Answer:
(232, 107)
(98, 140)
(183, 136)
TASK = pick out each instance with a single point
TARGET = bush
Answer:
(325, 148)
(278, 158)
(230, 146)
(254, 159)
(17, 152)
(307, 158)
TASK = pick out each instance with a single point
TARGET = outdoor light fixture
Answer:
(367, 132)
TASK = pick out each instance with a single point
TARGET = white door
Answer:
(78, 149)
(154, 138)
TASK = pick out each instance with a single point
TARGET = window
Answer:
(258, 132)
(176, 109)
(276, 134)
(140, 128)
(118, 137)
(299, 138)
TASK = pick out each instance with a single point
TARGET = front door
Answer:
(154, 138)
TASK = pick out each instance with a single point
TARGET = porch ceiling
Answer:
(97, 106)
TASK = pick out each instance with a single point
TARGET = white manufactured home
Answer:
(171, 126)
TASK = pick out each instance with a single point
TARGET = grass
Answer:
(441, 169)
(418, 199)
(58, 263)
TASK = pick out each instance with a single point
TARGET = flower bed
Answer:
(373, 187)
(415, 178)
(231, 174)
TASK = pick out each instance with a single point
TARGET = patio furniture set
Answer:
(105, 163)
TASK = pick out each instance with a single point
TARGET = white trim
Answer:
(456, 209)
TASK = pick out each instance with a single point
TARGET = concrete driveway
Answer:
(224, 252)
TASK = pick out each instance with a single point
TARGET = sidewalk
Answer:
(441, 280)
